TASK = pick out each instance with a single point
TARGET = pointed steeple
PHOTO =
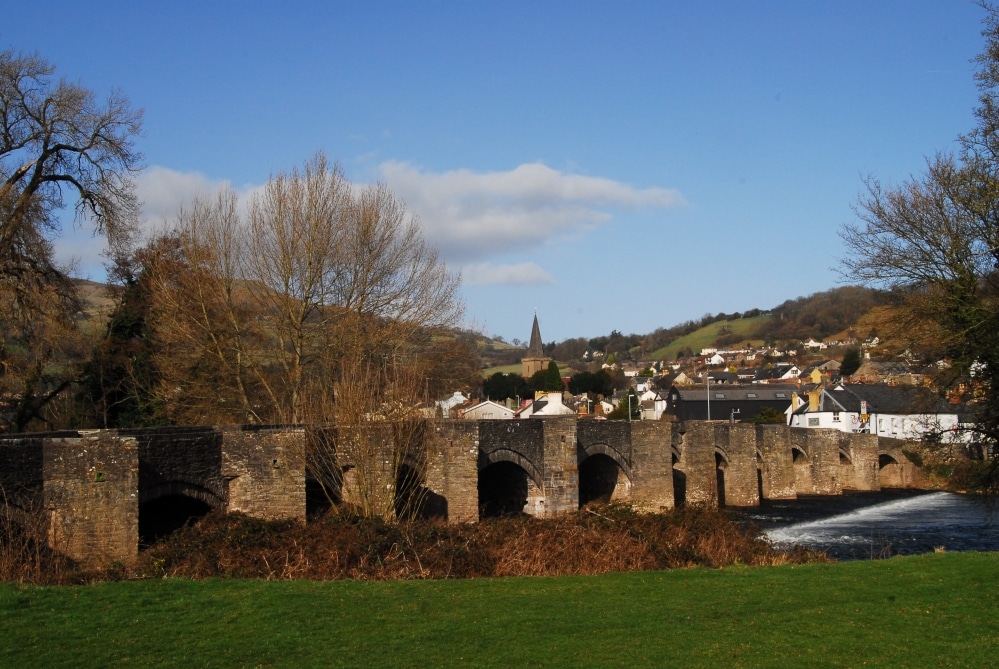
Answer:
(536, 349)
(535, 360)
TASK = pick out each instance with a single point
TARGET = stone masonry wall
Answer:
(452, 469)
(561, 466)
(21, 477)
(652, 465)
(265, 471)
(91, 497)
(741, 481)
(823, 448)
(861, 472)
(180, 461)
(697, 462)
(774, 442)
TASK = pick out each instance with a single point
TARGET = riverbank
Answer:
(590, 541)
(929, 610)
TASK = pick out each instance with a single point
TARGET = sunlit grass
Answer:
(931, 610)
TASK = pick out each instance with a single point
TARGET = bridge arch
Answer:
(507, 483)
(511, 456)
(167, 506)
(598, 448)
(600, 475)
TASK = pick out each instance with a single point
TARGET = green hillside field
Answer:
(706, 336)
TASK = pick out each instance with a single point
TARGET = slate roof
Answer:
(770, 392)
(882, 398)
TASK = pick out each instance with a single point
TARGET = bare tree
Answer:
(934, 241)
(56, 137)
(58, 146)
(322, 305)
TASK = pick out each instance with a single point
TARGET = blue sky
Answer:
(626, 165)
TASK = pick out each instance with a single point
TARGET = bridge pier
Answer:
(452, 470)
(821, 469)
(741, 473)
(778, 471)
(265, 472)
(860, 472)
(91, 497)
(560, 488)
(698, 462)
(652, 465)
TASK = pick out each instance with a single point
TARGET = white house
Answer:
(898, 412)
(653, 403)
(487, 410)
(446, 405)
(549, 405)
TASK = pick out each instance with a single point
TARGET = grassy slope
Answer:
(932, 610)
(706, 336)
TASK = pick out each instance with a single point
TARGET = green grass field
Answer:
(931, 610)
(707, 335)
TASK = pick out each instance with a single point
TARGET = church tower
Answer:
(535, 361)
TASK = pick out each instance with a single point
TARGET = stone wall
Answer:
(91, 497)
(698, 461)
(742, 483)
(21, 477)
(89, 485)
(860, 470)
(778, 472)
(265, 471)
(180, 461)
(652, 465)
(452, 471)
(561, 467)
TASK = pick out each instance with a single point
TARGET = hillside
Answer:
(837, 314)
(737, 332)
(840, 313)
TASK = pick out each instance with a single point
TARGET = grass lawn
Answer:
(931, 610)
(706, 336)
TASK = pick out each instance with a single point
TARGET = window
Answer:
(835, 416)
(719, 396)
(782, 396)
(813, 422)
(751, 396)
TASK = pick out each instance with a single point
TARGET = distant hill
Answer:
(732, 333)
(838, 313)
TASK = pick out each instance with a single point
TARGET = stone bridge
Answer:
(102, 492)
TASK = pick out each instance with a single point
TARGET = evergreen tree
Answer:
(850, 363)
(553, 378)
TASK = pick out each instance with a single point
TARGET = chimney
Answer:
(813, 400)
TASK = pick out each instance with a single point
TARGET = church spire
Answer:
(535, 360)
(535, 350)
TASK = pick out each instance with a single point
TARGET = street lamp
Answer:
(629, 407)
(707, 387)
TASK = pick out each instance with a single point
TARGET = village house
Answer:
(487, 410)
(729, 402)
(898, 412)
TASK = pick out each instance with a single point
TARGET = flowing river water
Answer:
(858, 526)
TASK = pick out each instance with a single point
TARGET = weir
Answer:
(95, 488)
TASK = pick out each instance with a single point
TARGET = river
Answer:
(858, 526)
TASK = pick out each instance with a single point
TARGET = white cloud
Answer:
(526, 273)
(471, 215)
(163, 191)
